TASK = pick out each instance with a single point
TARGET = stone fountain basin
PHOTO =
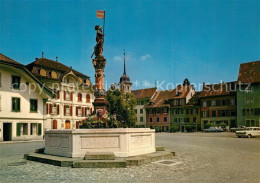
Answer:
(123, 142)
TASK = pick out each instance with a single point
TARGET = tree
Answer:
(122, 106)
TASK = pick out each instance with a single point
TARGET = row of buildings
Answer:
(183, 109)
(47, 94)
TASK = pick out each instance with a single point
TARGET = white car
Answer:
(249, 132)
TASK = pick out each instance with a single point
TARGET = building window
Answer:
(248, 89)
(15, 104)
(151, 120)
(33, 105)
(213, 103)
(218, 103)
(136, 111)
(67, 95)
(79, 111)
(213, 113)
(247, 112)
(165, 110)
(223, 113)
(165, 119)
(251, 100)
(244, 112)
(16, 80)
(158, 111)
(252, 111)
(232, 101)
(157, 119)
(204, 103)
(194, 119)
(208, 103)
(54, 109)
(88, 98)
(67, 110)
(141, 111)
(233, 113)
(186, 120)
(141, 119)
(33, 128)
(21, 129)
(187, 111)
(205, 114)
(79, 97)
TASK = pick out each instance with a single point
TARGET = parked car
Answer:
(249, 132)
(214, 129)
(238, 128)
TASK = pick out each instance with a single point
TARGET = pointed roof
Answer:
(125, 78)
(249, 72)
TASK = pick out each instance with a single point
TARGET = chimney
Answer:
(56, 58)
(42, 54)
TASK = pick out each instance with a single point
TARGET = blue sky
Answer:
(204, 41)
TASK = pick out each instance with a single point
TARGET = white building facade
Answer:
(22, 104)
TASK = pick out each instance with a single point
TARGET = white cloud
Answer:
(145, 57)
(117, 58)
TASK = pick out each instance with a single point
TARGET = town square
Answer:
(129, 91)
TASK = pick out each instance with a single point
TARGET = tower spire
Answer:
(124, 63)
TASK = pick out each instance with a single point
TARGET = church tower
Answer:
(125, 84)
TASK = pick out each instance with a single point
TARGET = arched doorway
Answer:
(54, 124)
(67, 124)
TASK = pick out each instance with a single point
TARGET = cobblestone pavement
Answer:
(201, 157)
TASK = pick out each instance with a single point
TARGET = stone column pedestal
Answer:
(99, 103)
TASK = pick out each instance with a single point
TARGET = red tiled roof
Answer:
(182, 91)
(249, 72)
(160, 97)
(144, 93)
(54, 65)
(219, 89)
(8, 60)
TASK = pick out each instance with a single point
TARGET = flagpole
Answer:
(104, 25)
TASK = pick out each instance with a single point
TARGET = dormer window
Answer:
(178, 94)
(67, 80)
(166, 102)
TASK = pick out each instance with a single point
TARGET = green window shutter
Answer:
(18, 129)
(39, 129)
(13, 104)
(18, 104)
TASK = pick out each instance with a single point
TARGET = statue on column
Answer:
(98, 49)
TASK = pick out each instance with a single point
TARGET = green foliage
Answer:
(121, 105)
(174, 128)
(208, 125)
